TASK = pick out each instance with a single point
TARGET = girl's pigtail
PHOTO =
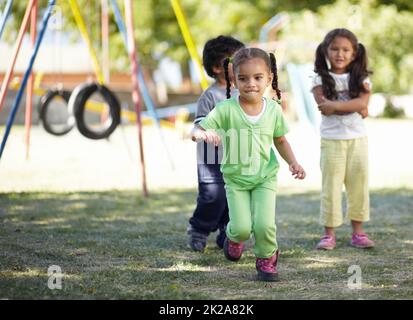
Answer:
(358, 72)
(226, 63)
(321, 68)
(275, 78)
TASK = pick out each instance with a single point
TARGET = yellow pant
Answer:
(344, 162)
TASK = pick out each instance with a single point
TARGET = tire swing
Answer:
(45, 103)
(77, 107)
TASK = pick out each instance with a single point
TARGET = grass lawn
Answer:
(115, 245)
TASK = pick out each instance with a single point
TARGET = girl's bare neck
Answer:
(338, 71)
(251, 108)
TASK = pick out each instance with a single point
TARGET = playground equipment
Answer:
(78, 101)
(300, 77)
(77, 105)
(60, 123)
(27, 74)
(30, 82)
(189, 41)
(275, 23)
(44, 105)
(9, 73)
(53, 104)
(135, 94)
(5, 15)
(81, 94)
(142, 86)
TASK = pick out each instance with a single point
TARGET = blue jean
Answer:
(211, 211)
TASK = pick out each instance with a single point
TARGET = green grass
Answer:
(116, 245)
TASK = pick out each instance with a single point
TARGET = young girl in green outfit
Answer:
(247, 126)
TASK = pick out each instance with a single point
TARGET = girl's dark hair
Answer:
(357, 68)
(245, 54)
(216, 50)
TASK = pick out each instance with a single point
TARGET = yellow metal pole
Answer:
(82, 28)
(189, 41)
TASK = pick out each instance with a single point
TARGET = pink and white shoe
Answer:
(327, 242)
(361, 240)
(233, 250)
(267, 267)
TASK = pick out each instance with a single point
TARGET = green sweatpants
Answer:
(253, 211)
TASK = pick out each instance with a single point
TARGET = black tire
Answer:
(44, 106)
(77, 105)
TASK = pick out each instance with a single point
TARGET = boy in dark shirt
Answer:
(211, 212)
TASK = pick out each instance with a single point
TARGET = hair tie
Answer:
(277, 100)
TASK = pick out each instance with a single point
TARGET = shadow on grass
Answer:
(118, 245)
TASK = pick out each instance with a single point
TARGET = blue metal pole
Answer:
(119, 21)
(16, 103)
(5, 15)
(275, 21)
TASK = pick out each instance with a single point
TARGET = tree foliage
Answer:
(384, 26)
(386, 32)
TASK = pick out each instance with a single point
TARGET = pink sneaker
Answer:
(233, 250)
(267, 268)
(327, 243)
(360, 240)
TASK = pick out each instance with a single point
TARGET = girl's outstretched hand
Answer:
(212, 137)
(297, 171)
(209, 136)
(197, 134)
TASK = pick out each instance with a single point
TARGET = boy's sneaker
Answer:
(361, 240)
(221, 237)
(327, 243)
(233, 250)
(197, 240)
(267, 268)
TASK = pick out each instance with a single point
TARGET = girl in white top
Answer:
(342, 90)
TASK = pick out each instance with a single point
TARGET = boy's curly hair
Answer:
(216, 50)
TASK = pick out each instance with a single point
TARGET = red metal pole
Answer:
(135, 93)
(9, 74)
(29, 93)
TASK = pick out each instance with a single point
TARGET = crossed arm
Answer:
(329, 107)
